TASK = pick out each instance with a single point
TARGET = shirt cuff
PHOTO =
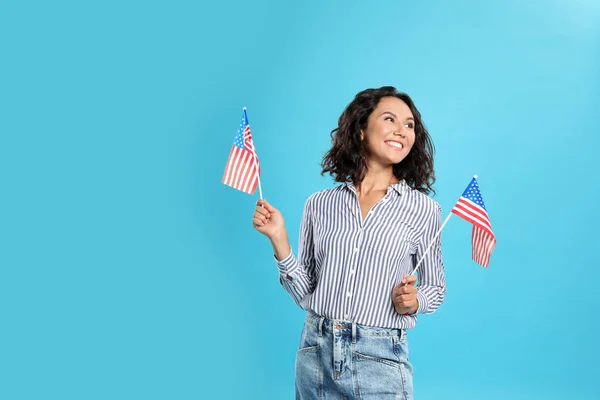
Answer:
(422, 302)
(286, 265)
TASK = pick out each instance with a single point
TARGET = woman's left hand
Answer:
(404, 296)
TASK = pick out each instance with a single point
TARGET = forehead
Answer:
(394, 105)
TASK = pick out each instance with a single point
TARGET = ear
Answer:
(362, 135)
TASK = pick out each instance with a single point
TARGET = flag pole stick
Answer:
(434, 238)
(254, 157)
(431, 243)
(258, 177)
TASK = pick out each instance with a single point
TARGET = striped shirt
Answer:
(347, 267)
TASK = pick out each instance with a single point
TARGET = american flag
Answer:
(470, 207)
(242, 169)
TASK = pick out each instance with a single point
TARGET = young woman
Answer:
(359, 243)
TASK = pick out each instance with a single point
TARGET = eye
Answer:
(390, 118)
(410, 125)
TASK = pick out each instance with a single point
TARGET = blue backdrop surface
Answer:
(128, 271)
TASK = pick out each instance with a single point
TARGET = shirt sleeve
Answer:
(297, 274)
(431, 288)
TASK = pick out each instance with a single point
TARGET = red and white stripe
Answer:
(242, 169)
(482, 237)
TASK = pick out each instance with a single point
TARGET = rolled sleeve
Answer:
(422, 299)
(297, 274)
(431, 289)
(286, 266)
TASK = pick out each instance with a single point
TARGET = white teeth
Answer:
(395, 144)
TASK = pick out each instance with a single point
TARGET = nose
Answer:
(400, 132)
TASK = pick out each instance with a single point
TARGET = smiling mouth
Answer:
(394, 145)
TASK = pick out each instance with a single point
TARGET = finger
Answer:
(398, 296)
(261, 217)
(262, 204)
(409, 279)
(409, 289)
(401, 296)
(271, 209)
(407, 299)
(257, 222)
(263, 211)
(402, 289)
(265, 204)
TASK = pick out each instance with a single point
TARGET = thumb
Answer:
(267, 206)
(409, 280)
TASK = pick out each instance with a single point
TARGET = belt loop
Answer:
(353, 332)
(321, 326)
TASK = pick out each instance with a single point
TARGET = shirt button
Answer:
(352, 271)
(356, 249)
(348, 294)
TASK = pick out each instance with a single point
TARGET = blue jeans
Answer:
(345, 360)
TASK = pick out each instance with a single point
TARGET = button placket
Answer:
(352, 272)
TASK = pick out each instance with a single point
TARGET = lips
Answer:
(394, 145)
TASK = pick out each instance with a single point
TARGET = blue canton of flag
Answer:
(473, 193)
(239, 136)
(242, 169)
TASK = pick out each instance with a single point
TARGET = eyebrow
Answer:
(394, 115)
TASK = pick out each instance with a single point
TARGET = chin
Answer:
(398, 158)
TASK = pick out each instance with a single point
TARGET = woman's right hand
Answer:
(268, 221)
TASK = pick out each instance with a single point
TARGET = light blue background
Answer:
(128, 271)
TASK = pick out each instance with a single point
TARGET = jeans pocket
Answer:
(309, 337)
(310, 349)
(380, 372)
(308, 370)
(309, 375)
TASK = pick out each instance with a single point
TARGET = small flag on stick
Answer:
(242, 171)
(471, 208)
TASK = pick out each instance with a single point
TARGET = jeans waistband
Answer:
(354, 329)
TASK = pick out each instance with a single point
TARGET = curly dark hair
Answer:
(346, 160)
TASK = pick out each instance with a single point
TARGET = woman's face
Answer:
(390, 132)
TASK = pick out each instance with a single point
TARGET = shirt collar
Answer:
(399, 187)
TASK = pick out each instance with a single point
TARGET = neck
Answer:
(376, 179)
